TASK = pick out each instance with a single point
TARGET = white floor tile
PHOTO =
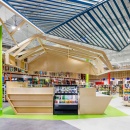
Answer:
(113, 123)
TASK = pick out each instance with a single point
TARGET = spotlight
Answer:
(13, 27)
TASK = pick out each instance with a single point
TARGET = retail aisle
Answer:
(118, 104)
(111, 123)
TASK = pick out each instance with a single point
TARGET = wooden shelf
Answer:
(34, 106)
(10, 65)
(30, 100)
(30, 94)
(34, 113)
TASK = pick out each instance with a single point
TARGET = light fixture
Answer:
(18, 29)
(15, 24)
(129, 40)
(13, 27)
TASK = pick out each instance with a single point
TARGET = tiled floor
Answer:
(118, 103)
(111, 123)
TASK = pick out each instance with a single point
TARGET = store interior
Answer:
(75, 66)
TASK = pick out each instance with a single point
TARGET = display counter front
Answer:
(26, 100)
(89, 103)
(64, 100)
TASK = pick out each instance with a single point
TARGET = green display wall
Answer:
(1, 70)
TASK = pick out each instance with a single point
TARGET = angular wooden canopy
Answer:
(61, 47)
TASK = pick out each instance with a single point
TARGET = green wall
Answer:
(1, 99)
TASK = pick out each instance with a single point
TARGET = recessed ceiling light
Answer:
(13, 27)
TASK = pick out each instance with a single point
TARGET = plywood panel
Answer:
(99, 66)
(34, 110)
(56, 63)
(22, 65)
(90, 104)
(30, 90)
(10, 84)
(12, 60)
(7, 58)
(94, 105)
(32, 103)
(85, 92)
(30, 97)
(30, 100)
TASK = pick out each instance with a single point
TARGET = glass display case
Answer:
(66, 99)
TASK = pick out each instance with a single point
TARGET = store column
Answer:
(87, 77)
(1, 99)
(109, 78)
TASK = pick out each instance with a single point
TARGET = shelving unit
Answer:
(26, 100)
(126, 94)
(66, 100)
(13, 69)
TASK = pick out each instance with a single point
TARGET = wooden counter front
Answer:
(89, 103)
(31, 100)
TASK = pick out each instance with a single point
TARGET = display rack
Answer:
(126, 94)
(66, 100)
(13, 69)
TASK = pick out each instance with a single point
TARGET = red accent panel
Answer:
(109, 78)
(99, 83)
